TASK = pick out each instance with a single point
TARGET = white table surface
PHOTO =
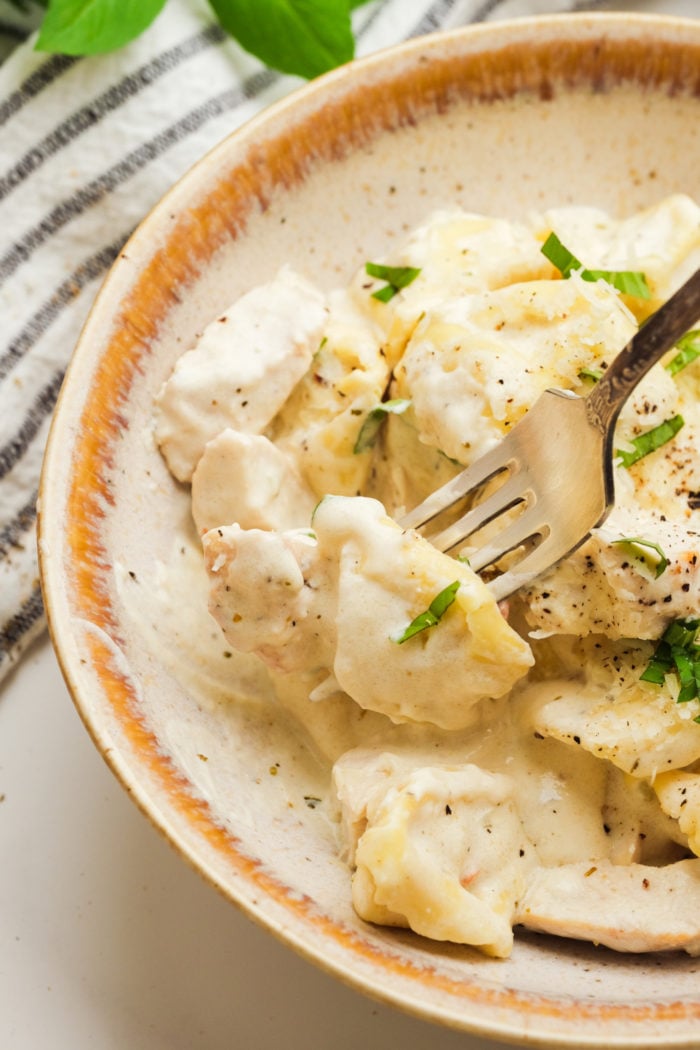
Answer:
(109, 941)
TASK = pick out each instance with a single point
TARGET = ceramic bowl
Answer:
(501, 118)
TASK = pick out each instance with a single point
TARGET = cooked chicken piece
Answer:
(611, 587)
(244, 478)
(631, 908)
(242, 370)
(266, 596)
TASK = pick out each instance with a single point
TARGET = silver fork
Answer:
(555, 465)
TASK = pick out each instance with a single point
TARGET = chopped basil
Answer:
(677, 652)
(397, 277)
(647, 552)
(650, 441)
(688, 350)
(629, 282)
(559, 256)
(373, 422)
(591, 373)
(433, 614)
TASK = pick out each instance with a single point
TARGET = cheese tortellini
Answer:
(535, 763)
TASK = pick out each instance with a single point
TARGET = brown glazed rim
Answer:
(321, 123)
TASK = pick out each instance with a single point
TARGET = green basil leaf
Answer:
(677, 651)
(397, 277)
(303, 37)
(650, 441)
(656, 671)
(686, 676)
(688, 350)
(595, 374)
(646, 551)
(91, 27)
(433, 614)
(371, 426)
(629, 282)
(560, 256)
(681, 634)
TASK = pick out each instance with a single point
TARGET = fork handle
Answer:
(657, 335)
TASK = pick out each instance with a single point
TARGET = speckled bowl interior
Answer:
(502, 118)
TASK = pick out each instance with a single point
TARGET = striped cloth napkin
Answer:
(87, 147)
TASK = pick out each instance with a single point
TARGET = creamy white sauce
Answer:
(483, 767)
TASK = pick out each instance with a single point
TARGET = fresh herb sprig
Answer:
(396, 277)
(302, 37)
(629, 282)
(688, 349)
(650, 440)
(433, 614)
(369, 431)
(677, 652)
(646, 552)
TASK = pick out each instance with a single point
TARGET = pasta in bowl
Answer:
(315, 746)
(461, 827)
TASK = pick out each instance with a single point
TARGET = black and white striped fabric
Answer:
(87, 146)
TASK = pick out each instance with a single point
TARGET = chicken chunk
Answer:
(630, 907)
(244, 478)
(242, 370)
(612, 586)
(265, 596)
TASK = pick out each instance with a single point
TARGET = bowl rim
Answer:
(72, 399)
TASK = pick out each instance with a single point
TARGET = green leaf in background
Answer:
(90, 27)
(304, 37)
(26, 5)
